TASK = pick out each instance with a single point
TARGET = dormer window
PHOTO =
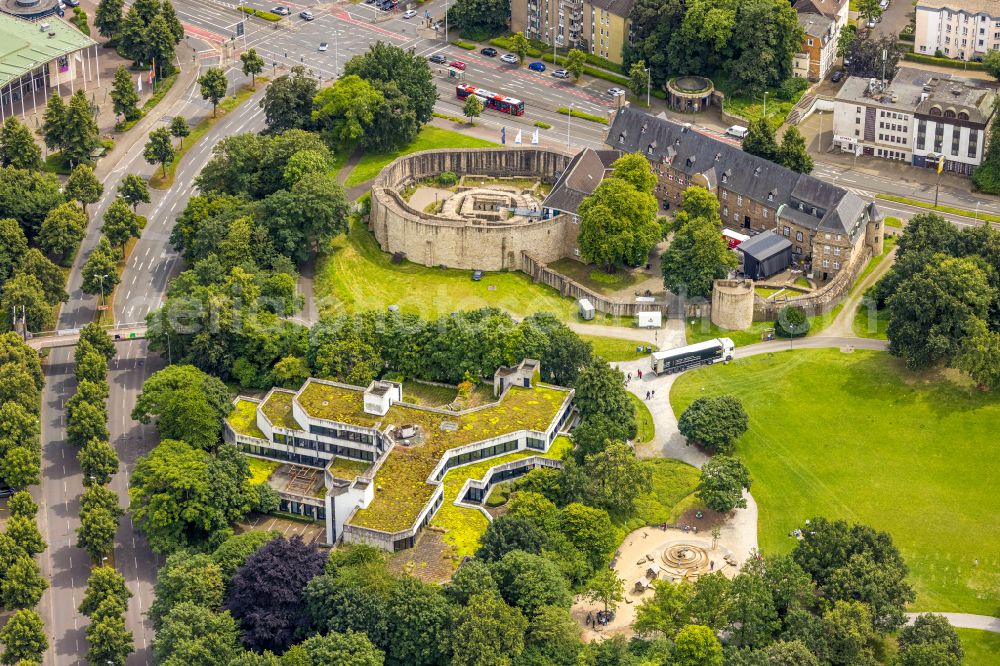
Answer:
(770, 195)
(621, 138)
(756, 171)
(649, 149)
(644, 126)
(814, 211)
(690, 160)
(717, 156)
(725, 176)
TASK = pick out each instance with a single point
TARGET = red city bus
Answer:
(491, 100)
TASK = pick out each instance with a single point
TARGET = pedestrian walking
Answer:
(647, 395)
(653, 393)
(640, 374)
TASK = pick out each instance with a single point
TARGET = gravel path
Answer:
(966, 621)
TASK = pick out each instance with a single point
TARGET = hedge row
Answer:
(468, 46)
(260, 13)
(592, 71)
(504, 43)
(943, 62)
(566, 111)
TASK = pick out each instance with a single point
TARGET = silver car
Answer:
(509, 58)
(561, 74)
(615, 92)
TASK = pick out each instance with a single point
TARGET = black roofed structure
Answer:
(765, 255)
(827, 226)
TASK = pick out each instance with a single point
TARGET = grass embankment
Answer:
(672, 493)
(163, 182)
(162, 88)
(643, 419)
(616, 350)
(981, 647)
(869, 321)
(566, 111)
(858, 436)
(356, 275)
(595, 279)
(964, 212)
(428, 138)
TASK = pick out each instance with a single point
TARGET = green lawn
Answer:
(982, 648)
(616, 350)
(594, 278)
(643, 419)
(869, 322)
(428, 138)
(356, 275)
(672, 493)
(857, 436)
(698, 330)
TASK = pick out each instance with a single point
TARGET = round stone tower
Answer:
(732, 304)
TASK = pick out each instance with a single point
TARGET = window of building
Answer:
(973, 143)
(739, 199)
(826, 248)
(725, 211)
(725, 193)
(827, 236)
(736, 217)
(826, 263)
(836, 265)
(786, 232)
(836, 251)
(766, 213)
(798, 236)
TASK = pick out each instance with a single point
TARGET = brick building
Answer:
(599, 27)
(821, 22)
(828, 226)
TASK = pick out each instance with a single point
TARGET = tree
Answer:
(22, 505)
(193, 634)
(13, 245)
(17, 147)
(48, 274)
(519, 46)
(22, 585)
(100, 271)
(179, 128)
(160, 149)
(89, 422)
(419, 621)
(667, 611)
(792, 322)
(108, 18)
(589, 531)
(864, 57)
(80, 135)
(308, 216)
(131, 40)
(575, 63)
(697, 256)
(266, 593)
(108, 641)
(507, 533)
(600, 389)
(991, 63)
(762, 39)
(54, 123)
(881, 586)
(638, 78)
(869, 10)
(188, 403)
(121, 224)
(134, 190)
(124, 95)
(24, 531)
(344, 111)
(618, 225)
(472, 108)
(480, 17)
(849, 632)
(19, 426)
(929, 636)
(529, 582)
(932, 311)
(161, 45)
(62, 230)
(98, 340)
(979, 355)
(186, 578)
(174, 23)
(760, 140)
(709, 604)
(96, 533)
(289, 372)
(696, 645)
(25, 293)
(288, 101)
(213, 86)
(24, 638)
(253, 65)
(617, 478)
(793, 153)
(232, 553)
(408, 71)
(715, 423)
(753, 618)
(634, 169)
(723, 480)
(606, 588)
(848, 34)
(104, 583)
(21, 467)
(98, 462)
(492, 632)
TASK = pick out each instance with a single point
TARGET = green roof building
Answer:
(36, 58)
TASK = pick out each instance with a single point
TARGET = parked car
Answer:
(72, 3)
(561, 74)
(509, 58)
(281, 11)
(323, 46)
(615, 92)
(871, 23)
(489, 52)
(477, 276)
(438, 58)
(837, 75)
(537, 67)
(307, 15)
(457, 64)
(884, 5)
(7, 491)
(409, 13)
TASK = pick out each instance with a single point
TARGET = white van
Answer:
(737, 131)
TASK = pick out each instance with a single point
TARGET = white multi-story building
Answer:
(916, 117)
(963, 29)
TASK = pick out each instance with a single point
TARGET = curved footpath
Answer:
(741, 530)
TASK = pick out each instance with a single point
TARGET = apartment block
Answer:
(963, 29)
(821, 22)
(599, 27)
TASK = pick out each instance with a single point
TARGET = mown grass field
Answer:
(428, 138)
(982, 648)
(859, 437)
(615, 350)
(356, 275)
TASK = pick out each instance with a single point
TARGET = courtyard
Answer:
(824, 440)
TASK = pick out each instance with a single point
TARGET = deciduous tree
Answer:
(108, 641)
(617, 478)
(24, 531)
(54, 123)
(529, 582)
(760, 140)
(696, 645)
(186, 578)
(104, 582)
(492, 632)
(419, 623)
(48, 274)
(17, 146)
(134, 190)
(575, 63)
(253, 65)
(108, 18)
(618, 225)
(22, 585)
(80, 135)
(160, 149)
(606, 588)
(519, 46)
(22, 505)
(98, 462)
(24, 295)
(213, 86)
(20, 467)
(472, 108)
(288, 101)
(346, 110)
(24, 639)
(697, 256)
(666, 611)
(188, 404)
(638, 78)
(793, 153)
(715, 423)
(121, 224)
(124, 96)
(96, 533)
(195, 634)
(179, 129)
(723, 480)
(62, 230)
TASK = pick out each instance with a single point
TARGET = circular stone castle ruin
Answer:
(485, 222)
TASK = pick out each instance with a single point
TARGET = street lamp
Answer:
(100, 279)
(648, 78)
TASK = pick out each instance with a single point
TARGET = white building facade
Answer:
(963, 29)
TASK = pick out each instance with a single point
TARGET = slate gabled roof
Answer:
(691, 152)
(582, 176)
